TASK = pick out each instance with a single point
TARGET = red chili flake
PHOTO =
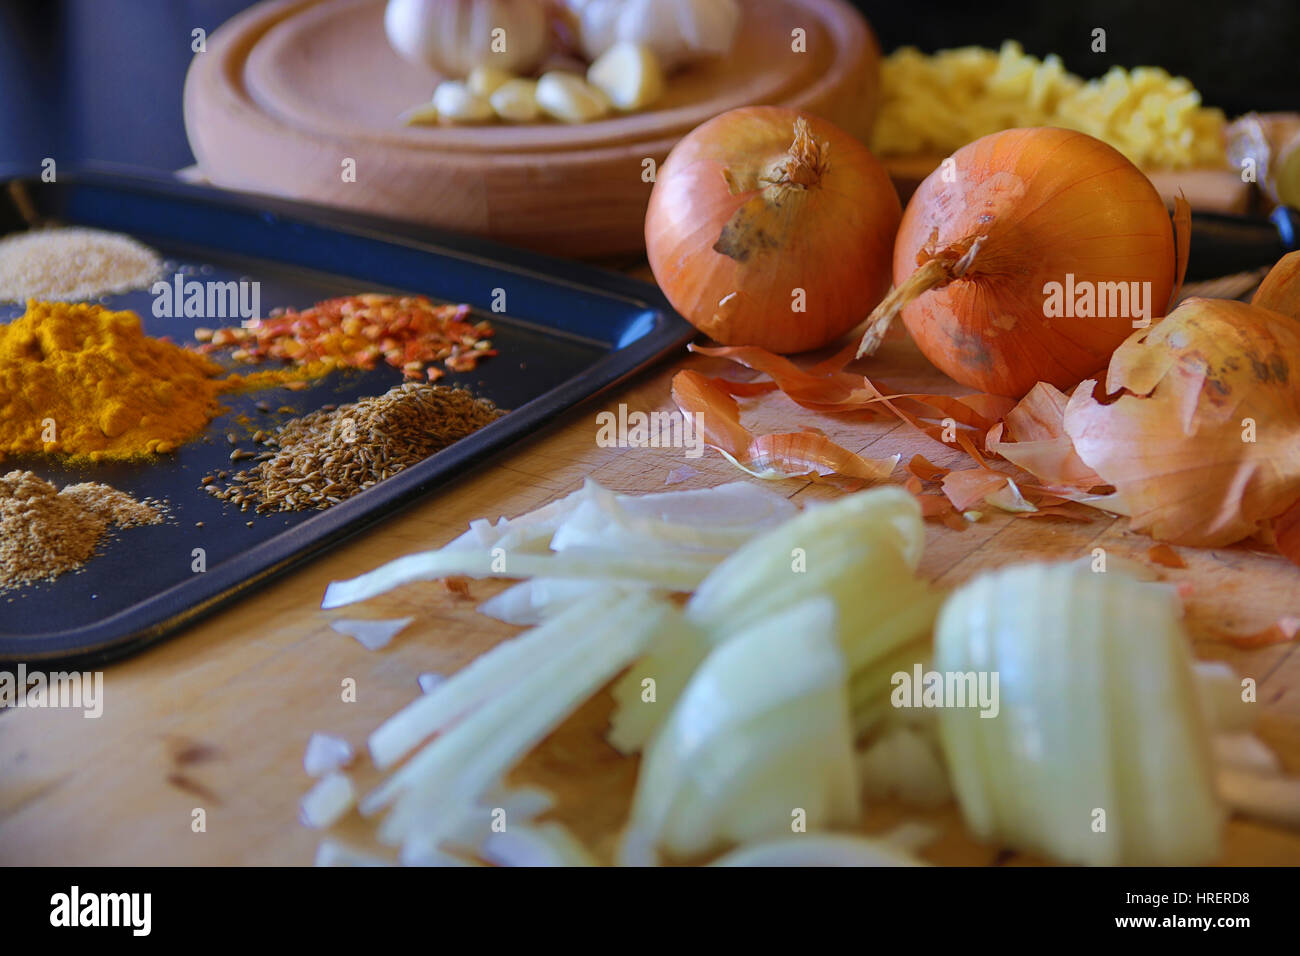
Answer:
(407, 332)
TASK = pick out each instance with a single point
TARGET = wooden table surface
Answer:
(218, 717)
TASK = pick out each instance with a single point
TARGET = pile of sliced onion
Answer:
(668, 541)
(778, 663)
(760, 732)
(861, 551)
(1099, 753)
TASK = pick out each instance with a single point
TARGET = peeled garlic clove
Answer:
(516, 101)
(486, 80)
(425, 114)
(570, 98)
(629, 74)
(455, 103)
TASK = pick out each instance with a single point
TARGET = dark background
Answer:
(101, 79)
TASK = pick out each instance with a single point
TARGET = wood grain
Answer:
(287, 90)
(218, 717)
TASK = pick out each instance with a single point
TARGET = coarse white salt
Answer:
(72, 264)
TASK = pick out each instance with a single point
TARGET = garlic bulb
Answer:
(455, 36)
(678, 31)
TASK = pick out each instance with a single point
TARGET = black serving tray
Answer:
(568, 331)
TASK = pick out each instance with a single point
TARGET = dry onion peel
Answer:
(1172, 432)
(827, 387)
(793, 455)
(1286, 533)
(972, 486)
(1280, 290)
(984, 235)
(1092, 719)
(1165, 556)
(1279, 632)
(1035, 440)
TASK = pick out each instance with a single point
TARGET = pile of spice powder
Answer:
(326, 457)
(45, 532)
(84, 381)
(73, 263)
(407, 332)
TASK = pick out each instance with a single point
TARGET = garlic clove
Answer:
(486, 80)
(455, 103)
(422, 114)
(570, 99)
(516, 101)
(629, 74)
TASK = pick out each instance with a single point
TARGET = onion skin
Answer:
(828, 228)
(1050, 202)
(1280, 290)
(1169, 429)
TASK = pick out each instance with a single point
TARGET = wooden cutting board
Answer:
(217, 718)
(289, 90)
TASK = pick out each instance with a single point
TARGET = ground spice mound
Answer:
(45, 532)
(326, 457)
(85, 381)
(72, 264)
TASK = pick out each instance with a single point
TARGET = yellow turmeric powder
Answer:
(84, 381)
